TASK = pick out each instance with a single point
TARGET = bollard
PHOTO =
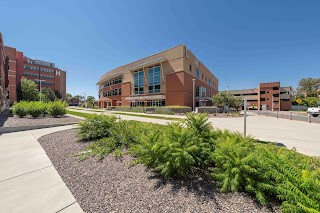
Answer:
(277, 114)
(309, 118)
(290, 115)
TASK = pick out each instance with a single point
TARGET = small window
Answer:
(190, 68)
(275, 88)
(262, 92)
(262, 99)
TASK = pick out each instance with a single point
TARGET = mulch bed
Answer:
(112, 185)
(7, 120)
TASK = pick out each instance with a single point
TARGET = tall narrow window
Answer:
(197, 73)
(190, 68)
(138, 82)
(203, 92)
(154, 75)
(197, 91)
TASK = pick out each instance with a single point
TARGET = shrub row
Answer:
(36, 108)
(263, 170)
(170, 110)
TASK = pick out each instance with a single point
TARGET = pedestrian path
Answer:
(28, 180)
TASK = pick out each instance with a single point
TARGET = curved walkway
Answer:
(28, 180)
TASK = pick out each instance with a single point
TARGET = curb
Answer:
(26, 128)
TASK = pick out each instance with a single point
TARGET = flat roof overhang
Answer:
(146, 97)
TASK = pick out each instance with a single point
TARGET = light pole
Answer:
(84, 100)
(40, 86)
(227, 89)
(193, 93)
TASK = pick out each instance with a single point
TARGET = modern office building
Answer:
(162, 79)
(19, 66)
(4, 81)
(268, 96)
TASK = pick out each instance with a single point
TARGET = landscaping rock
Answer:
(113, 185)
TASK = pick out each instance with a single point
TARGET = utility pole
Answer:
(40, 87)
(245, 119)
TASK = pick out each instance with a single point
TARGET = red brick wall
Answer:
(11, 53)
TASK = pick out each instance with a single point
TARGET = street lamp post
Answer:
(40, 86)
(84, 99)
(193, 93)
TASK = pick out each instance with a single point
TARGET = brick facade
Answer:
(268, 96)
(14, 65)
(174, 81)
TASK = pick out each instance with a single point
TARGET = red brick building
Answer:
(268, 96)
(18, 65)
(162, 79)
(4, 79)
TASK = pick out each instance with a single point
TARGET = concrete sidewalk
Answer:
(28, 180)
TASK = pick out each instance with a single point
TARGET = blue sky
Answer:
(241, 42)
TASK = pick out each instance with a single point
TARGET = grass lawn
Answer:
(81, 114)
(148, 116)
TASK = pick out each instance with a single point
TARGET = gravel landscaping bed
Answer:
(112, 185)
(9, 121)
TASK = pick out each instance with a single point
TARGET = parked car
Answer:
(314, 111)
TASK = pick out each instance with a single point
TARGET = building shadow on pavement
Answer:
(4, 117)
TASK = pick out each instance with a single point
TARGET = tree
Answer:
(90, 101)
(68, 96)
(27, 90)
(226, 99)
(309, 86)
(58, 94)
(48, 94)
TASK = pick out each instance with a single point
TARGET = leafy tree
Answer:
(58, 94)
(309, 86)
(27, 90)
(48, 94)
(226, 99)
(68, 96)
(90, 101)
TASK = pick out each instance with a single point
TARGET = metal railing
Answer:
(307, 117)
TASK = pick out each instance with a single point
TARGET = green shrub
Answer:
(179, 149)
(122, 135)
(20, 109)
(56, 108)
(35, 109)
(97, 126)
(171, 154)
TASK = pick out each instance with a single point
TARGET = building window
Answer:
(285, 100)
(209, 81)
(197, 73)
(154, 79)
(275, 88)
(203, 92)
(276, 95)
(190, 68)
(137, 104)
(138, 82)
(210, 94)
(262, 99)
(198, 92)
(262, 92)
(156, 103)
